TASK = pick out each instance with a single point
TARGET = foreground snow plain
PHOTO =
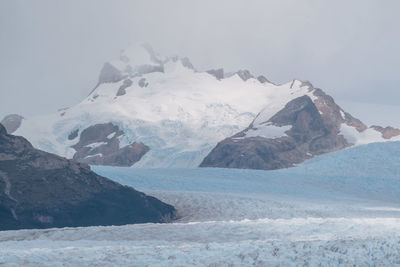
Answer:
(340, 209)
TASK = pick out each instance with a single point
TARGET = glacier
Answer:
(341, 208)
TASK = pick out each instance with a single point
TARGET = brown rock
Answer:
(100, 145)
(42, 190)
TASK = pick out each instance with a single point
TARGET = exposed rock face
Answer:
(262, 79)
(309, 134)
(73, 134)
(218, 73)
(12, 122)
(331, 113)
(128, 67)
(42, 190)
(100, 145)
(304, 128)
(143, 82)
(244, 74)
(110, 74)
(127, 83)
(387, 132)
(186, 63)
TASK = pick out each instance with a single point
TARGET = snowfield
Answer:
(339, 209)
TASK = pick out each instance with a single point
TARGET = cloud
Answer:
(52, 51)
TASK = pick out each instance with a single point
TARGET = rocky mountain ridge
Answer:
(304, 128)
(42, 190)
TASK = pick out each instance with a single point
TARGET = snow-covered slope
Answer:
(167, 105)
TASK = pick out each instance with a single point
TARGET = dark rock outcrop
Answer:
(218, 73)
(73, 134)
(143, 82)
(262, 79)
(331, 113)
(12, 122)
(186, 63)
(42, 190)
(310, 134)
(244, 75)
(100, 145)
(315, 128)
(110, 74)
(127, 83)
(387, 132)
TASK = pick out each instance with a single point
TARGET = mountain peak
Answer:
(2, 130)
(140, 54)
(137, 60)
(169, 114)
(12, 122)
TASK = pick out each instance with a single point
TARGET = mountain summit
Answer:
(149, 110)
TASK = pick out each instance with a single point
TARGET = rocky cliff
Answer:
(42, 190)
(12, 122)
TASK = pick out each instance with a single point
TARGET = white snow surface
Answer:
(111, 135)
(95, 155)
(181, 115)
(340, 209)
(370, 135)
(267, 131)
(96, 145)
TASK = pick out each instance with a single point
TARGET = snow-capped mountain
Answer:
(156, 111)
(309, 125)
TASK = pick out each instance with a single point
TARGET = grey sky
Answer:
(52, 51)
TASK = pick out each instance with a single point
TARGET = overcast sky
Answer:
(51, 51)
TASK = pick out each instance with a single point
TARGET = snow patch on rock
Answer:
(367, 136)
(267, 131)
(95, 145)
(111, 135)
